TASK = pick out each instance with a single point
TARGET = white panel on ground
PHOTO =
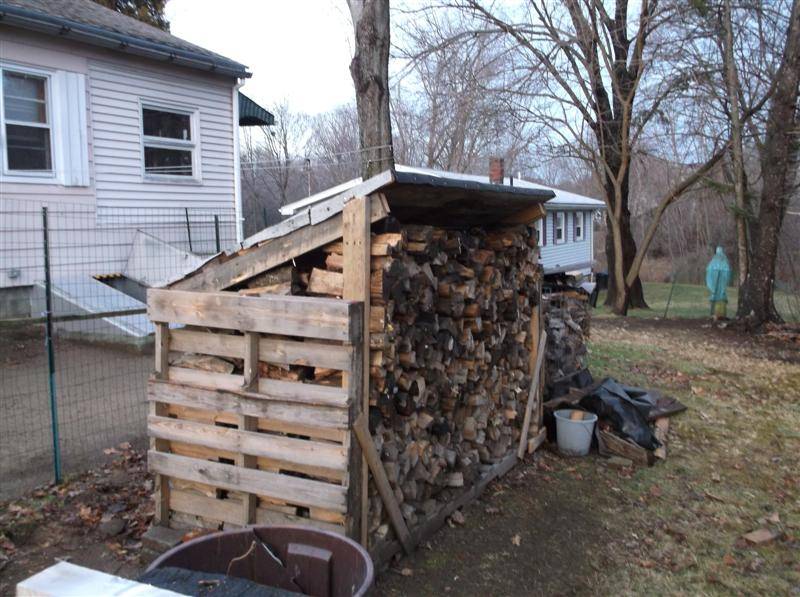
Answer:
(65, 579)
(155, 264)
(82, 295)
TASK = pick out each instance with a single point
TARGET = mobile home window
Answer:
(578, 225)
(560, 227)
(26, 123)
(169, 143)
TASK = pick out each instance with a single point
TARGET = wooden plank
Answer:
(279, 448)
(302, 419)
(533, 395)
(268, 389)
(356, 247)
(228, 510)
(308, 317)
(536, 441)
(361, 430)
(527, 216)
(270, 350)
(162, 347)
(248, 425)
(161, 493)
(612, 444)
(221, 274)
(303, 492)
(250, 366)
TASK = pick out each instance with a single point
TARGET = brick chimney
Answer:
(496, 170)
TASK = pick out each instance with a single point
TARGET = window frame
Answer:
(192, 145)
(9, 175)
(580, 224)
(540, 231)
(562, 215)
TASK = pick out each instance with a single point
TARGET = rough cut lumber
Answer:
(222, 273)
(289, 417)
(304, 492)
(661, 432)
(533, 396)
(227, 511)
(361, 430)
(326, 283)
(287, 352)
(536, 442)
(291, 316)
(355, 286)
(275, 447)
(613, 444)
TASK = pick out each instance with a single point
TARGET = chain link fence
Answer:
(75, 341)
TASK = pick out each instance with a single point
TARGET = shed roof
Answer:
(88, 22)
(560, 199)
(420, 198)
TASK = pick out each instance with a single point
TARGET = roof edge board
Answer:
(98, 36)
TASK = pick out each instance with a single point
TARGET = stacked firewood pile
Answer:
(566, 320)
(450, 337)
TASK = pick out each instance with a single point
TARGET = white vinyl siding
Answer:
(569, 255)
(117, 96)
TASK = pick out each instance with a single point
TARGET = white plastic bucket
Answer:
(574, 436)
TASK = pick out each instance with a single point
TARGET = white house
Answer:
(566, 235)
(119, 123)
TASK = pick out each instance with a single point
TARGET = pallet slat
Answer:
(284, 352)
(302, 419)
(308, 317)
(282, 449)
(303, 492)
(227, 511)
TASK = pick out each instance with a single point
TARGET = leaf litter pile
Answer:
(95, 519)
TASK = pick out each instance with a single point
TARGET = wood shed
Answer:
(366, 365)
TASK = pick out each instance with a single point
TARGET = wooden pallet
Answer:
(232, 449)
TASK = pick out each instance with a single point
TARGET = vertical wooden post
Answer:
(356, 239)
(249, 500)
(354, 383)
(535, 334)
(161, 483)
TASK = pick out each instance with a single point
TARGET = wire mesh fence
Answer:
(75, 341)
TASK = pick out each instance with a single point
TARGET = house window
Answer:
(560, 232)
(578, 215)
(539, 228)
(27, 136)
(169, 143)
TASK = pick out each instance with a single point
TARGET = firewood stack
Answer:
(566, 320)
(450, 337)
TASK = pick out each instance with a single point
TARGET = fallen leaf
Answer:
(729, 560)
(407, 572)
(647, 564)
(516, 540)
(760, 536)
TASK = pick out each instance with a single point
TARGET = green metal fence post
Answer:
(51, 360)
(188, 229)
(216, 231)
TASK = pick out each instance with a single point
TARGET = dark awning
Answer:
(251, 114)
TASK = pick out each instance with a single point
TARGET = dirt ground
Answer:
(555, 525)
(101, 401)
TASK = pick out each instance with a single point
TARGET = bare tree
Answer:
(370, 72)
(779, 165)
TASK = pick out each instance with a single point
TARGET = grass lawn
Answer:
(690, 301)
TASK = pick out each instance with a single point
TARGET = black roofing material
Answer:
(88, 22)
(251, 114)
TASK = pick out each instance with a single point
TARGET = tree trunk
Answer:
(370, 72)
(779, 173)
(619, 297)
(732, 87)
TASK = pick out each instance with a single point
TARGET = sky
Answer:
(297, 50)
